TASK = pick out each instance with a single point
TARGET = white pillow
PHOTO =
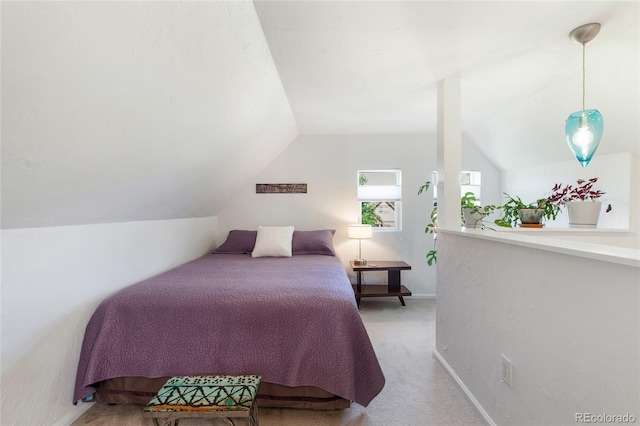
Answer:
(273, 241)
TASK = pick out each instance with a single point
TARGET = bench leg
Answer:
(253, 413)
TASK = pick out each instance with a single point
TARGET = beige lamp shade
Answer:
(360, 231)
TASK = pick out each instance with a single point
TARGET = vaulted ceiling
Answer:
(372, 67)
(116, 111)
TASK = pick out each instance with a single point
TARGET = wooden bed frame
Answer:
(140, 390)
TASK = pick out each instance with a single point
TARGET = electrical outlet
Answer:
(507, 370)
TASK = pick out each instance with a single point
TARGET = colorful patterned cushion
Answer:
(205, 393)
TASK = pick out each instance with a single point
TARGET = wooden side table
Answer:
(393, 288)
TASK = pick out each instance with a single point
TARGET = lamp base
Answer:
(360, 262)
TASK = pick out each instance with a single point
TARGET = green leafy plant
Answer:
(510, 210)
(431, 228)
(468, 201)
(369, 216)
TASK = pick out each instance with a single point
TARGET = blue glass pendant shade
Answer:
(584, 131)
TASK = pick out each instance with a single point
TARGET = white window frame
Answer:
(382, 193)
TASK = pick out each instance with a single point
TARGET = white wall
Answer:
(569, 325)
(52, 280)
(328, 164)
(116, 111)
(617, 175)
(473, 159)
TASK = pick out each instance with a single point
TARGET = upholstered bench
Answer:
(205, 397)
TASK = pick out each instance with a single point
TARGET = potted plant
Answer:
(580, 201)
(529, 215)
(467, 203)
(472, 214)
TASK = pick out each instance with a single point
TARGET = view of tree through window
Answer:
(379, 192)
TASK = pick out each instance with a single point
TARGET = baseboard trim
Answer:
(464, 388)
(73, 413)
(423, 296)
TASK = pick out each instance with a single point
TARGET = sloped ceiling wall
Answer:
(119, 111)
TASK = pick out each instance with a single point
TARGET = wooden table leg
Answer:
(393, 284)
(393, 281)
(358, 288)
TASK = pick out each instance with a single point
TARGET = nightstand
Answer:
(393, 286)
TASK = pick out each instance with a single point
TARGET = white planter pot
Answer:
(472, 220)
(583, 214)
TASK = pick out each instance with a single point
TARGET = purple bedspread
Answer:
(293, 321)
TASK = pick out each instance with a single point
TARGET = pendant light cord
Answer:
(583, 75)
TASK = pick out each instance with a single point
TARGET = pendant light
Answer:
(584, 128)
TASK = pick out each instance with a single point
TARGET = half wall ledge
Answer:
(615, 246)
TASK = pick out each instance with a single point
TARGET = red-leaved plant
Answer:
(583, 191)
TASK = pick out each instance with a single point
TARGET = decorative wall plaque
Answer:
(281, 188)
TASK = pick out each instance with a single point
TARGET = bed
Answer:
(291, 320)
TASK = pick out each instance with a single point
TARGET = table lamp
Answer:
(359, 232)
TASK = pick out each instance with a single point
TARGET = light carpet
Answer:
(418, 390)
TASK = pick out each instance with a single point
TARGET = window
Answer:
(380, 195)
(470, 181)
